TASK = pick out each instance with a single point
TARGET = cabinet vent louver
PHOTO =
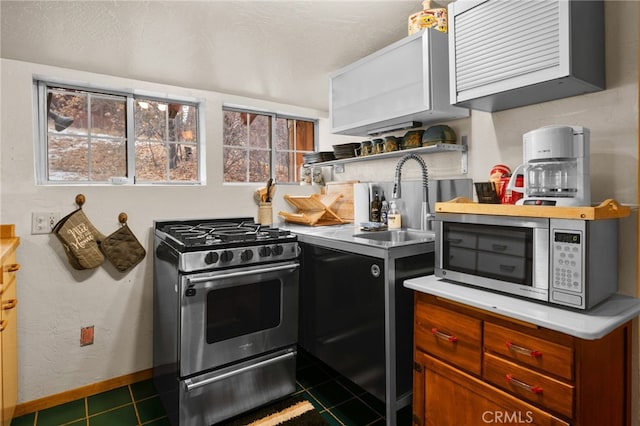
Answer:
(510, 53)
(525, 37)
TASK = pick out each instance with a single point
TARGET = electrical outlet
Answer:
(86, 336)
(43, 222)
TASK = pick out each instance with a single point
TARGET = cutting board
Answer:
(343, 207)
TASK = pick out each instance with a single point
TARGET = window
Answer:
(260, 145)
(88, 136)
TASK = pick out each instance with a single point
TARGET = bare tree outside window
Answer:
(87, 138)
(257, 146)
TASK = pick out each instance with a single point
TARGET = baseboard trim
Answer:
(81, 392)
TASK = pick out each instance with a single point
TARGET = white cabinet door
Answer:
(404, 82)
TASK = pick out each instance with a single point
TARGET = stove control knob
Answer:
(211, 258)
(278, 250)
(246, 255)
(226, 256)
(264, 251)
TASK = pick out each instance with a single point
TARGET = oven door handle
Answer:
(191, 384)
(196, 280)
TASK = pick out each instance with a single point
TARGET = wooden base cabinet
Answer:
(8, 324)
(472, 367)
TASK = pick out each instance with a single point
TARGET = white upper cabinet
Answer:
(506, 54)
(395, 87)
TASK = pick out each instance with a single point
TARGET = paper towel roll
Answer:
(360, 203)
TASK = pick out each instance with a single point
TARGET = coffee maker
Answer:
(556, 167)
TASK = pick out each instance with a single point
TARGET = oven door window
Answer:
(242, 310)
(234, 314)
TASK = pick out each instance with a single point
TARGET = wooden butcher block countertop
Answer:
(608, 209)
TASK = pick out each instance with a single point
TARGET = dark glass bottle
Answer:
(374, 211)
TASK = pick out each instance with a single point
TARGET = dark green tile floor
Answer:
(132, 405)
(339, 401)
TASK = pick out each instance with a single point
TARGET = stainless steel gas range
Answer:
(225, 317)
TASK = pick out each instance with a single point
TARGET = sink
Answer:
(398, 236)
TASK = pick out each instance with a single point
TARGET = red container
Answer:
(507, 196)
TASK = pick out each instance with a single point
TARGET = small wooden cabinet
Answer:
(8, 324)
(473, 367)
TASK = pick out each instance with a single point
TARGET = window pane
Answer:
(285, 167)
(259, 170)
(235, 163)
(284, 134)
(68, 158)
(150, 120)
(259, 131)
(185, 160)
(151, 161)
(108, 117)
(161, 128)
(186, 124)
(235, 129)
(66, 111)
(108, 159)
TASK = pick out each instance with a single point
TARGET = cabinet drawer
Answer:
(532, 351)
(529, 385)
(449, 335)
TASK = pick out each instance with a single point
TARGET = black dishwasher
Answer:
(343, 305)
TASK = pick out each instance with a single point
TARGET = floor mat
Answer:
(293, 411)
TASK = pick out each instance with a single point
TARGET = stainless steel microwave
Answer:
(566, 262)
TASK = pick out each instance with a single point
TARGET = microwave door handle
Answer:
(192, 384)
(196, 280)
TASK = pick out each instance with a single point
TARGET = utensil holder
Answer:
(265, 213)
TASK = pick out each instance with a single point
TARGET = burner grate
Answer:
(212, 233)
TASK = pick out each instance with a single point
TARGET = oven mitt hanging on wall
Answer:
(122, 248)
(80, 240)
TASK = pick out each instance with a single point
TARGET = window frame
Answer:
(273, 151)
(40, 86)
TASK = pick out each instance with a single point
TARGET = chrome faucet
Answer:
(425, 215)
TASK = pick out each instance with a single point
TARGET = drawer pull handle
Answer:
(499, 247)
(523, 385)
(3, 325)
(9, 304)
(13, 267)
(524, 351)
(455, 240)
(444, 336)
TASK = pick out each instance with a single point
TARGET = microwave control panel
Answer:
(566, 266)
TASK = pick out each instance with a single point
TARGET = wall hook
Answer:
(80, 200)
